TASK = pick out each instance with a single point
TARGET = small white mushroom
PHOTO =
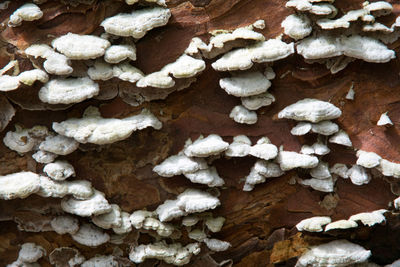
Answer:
(126, 72)
(358, 175)
(320, 148)
(369, 218)
(79, 47)
(190, 220)
(384, 120)
(117, 53)
(19, 185)
(90, 235)
(335, 253)
(341, 138)
(26, 12)
(95, 205)
(66, 256)
(138, 217)
(110, 219)
(9, 83)
(242, 115)
(379, 8)
(67, 91)
(263, 149)
(290, 160)
(259, 172)
(59, 145)
(59, 170)
(314, 224)
(92, 128)
(257, 101)
(368, 159)
(24, 140)
(216, 244)
(351, 93)
(245, 84)
(297, 26)
(206, 146)
(312, 110)
(137, 23)
(240, 147)
(340, 225)
(65, 225)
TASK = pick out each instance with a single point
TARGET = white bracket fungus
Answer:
(358, 175)
(214, 224)
(257, 101)
(174, 253)
(297, 26)
(384, 120)
(67, 91)
(312, 110)
(240, 147)
(30, 76)
(388, 168)
(81, 189)
(142, 219)
(66, 256)
(126, 72)
(321, 171)
(290, 160)
(206, 146)
(320, 9)
(117, 53)
(207, 176)
(44, 157)
(90, 235)
(351, 93)
(314, 224)
(259, 172)
(59, 145)
(179, 164)
(24, 140)
(79, 47)
(325, 128)
(19, 185)
(190, 201)
(245, 84)
(322, 185)
(216, 244)
(110, 219)
(341, 138)
(263, 149)
(8, 83)
(102, 71)
(30, 253)
(95, 205)
(184, 67)
(26, 12)
(355, 46)
(59, 170)
(369, 218)
(242, 115)
(55, 63)
(261, 52)
(368, 159)
(301, 128)
(340, 169)
(101, 261)
(137, 23)
(341, 224)
(65, 225)
(92, 128)
(7, 112)
(197, 234)
(379, 8)
(334, 253)
(125, 226)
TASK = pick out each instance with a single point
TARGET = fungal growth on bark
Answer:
(199, 133)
